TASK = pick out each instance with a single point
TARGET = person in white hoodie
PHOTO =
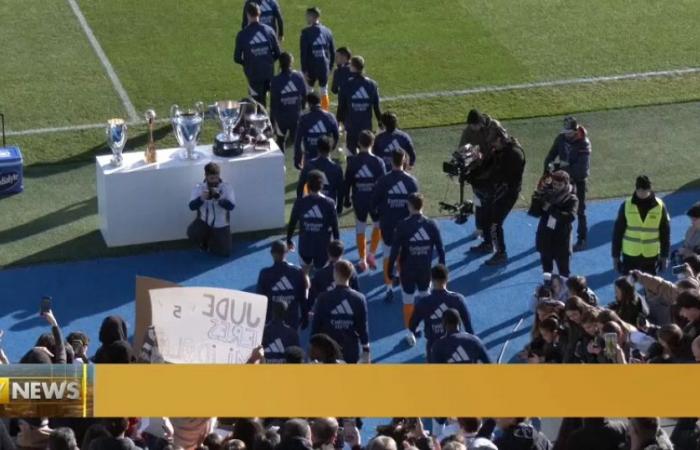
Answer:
(213, 200)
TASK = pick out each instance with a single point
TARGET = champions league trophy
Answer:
(228, 143)
(116, 139)
(187, 125)
(150, 155)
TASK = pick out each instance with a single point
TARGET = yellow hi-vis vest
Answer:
(641, 238)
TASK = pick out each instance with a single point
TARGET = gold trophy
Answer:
(150, 154)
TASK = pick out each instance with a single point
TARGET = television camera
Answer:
(462, 164)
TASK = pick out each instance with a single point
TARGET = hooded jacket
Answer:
(522, 437)
(574, 155)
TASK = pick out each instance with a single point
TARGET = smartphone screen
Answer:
(45, 305)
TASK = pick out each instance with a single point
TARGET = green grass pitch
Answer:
(175, 51)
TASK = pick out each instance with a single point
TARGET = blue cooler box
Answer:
(11, 179)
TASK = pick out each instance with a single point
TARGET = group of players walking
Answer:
(376, 183)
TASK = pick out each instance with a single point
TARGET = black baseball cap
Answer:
(643, 182)
(474, 117)
(570, 123)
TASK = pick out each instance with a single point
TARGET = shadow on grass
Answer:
(92, 246)
(55, 219)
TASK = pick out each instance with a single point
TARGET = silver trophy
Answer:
(227, 143)
(260, 122)
(187, 124)
(116, 139)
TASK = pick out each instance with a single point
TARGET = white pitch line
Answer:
(130, 110)
(551, 83)
(426, 95)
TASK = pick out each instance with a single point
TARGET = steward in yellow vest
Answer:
(642, 232)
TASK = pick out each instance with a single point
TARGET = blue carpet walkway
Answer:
(499, 298)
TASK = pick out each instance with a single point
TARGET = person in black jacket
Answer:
(598, 433)
(556, 207)
(505, 166)
(520, 435)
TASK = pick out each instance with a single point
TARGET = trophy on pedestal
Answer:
(228, 143)
(150, 154)
(187, 125)
(260, 123)
(116, 139)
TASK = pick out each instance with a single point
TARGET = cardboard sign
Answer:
(143, 306)
(196, 325)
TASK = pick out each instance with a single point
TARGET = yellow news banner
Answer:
(397, 390)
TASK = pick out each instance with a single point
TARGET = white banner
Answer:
(197, 325)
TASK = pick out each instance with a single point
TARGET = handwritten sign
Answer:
(207, 325)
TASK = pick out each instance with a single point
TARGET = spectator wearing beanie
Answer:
(642, 234)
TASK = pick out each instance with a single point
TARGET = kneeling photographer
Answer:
(213, 199)
(555, 203)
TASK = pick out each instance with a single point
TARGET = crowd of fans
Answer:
(329, 433)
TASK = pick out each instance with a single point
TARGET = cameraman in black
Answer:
(213, 199)
(502, 169)
(481, 130)
(555, 203)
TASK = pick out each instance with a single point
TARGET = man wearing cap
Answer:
(480, 130)
(317, 51)
(557, 212)
(642, 234)
(213, 200)
(571, 151)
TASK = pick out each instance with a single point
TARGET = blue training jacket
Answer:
(458, 348)
(287, 98)
(285, 282)
(317, 50)
(341, 313)
(257, 50)
(312, 125)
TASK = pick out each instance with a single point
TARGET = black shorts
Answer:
(362, 213)
(351, 138)
(413, 279)
(387, 235)
(322, 79)
(318, 261)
